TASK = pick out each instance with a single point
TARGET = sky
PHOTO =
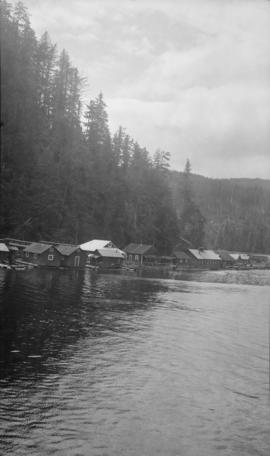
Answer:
(191, 77)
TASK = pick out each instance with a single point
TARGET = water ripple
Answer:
(121, 366)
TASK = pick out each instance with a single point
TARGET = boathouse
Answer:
(205, 258)
(107, 258)
(71, 256)
(42, 255)
(141, 253)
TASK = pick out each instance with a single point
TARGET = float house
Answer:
(71, 256)
(42, 255)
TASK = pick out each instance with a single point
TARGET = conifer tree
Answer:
(191, 220)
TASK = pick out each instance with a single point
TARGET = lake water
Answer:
(113, 365)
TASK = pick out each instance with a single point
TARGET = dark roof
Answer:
(140, 249)
(66, 250)
(181, 255)
(37, 247)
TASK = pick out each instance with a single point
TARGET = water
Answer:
(112, 365)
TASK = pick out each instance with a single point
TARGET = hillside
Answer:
(66, 177)
(237, 211)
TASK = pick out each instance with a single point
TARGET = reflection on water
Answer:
(119, 365)
(243, 277)
(45, 311)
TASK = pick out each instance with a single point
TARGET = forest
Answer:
(66, 177)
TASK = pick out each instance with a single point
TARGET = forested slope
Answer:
(237, 211)
(66, 177)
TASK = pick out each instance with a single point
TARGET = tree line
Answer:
(66, 177)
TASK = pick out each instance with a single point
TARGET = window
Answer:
(136, 257)
(50, 257)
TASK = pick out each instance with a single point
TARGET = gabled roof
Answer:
(3, 247)
(110, 253)
(139, 249)
(67, 250)
(95, 244)
(181, 255)
(37, 247)
(204, 254)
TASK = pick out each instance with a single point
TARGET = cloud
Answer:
(222, 130)
(191, 77)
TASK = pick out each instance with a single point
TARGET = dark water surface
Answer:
(111, 365)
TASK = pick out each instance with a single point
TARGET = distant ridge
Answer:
(237, 210)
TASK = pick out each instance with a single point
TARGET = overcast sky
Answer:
(187, 76)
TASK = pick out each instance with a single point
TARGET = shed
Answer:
(137, 253)
(42, 254)
(71, 256)
(205, 258)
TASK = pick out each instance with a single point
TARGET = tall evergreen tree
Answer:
(191, 220)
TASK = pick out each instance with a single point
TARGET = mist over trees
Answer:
(66, 177)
